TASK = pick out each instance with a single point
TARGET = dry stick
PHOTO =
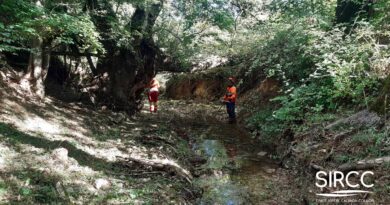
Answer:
(365, 99)
(219, 109)
(133, 173)
(364, 164)
(385, 105)
(142, 173)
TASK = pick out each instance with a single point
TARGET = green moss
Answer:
(3, 188)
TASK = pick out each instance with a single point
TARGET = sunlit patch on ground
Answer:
(66, 153)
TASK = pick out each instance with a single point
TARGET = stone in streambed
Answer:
(60, 154)
(261, 154)
(270, 171)
(102, 184)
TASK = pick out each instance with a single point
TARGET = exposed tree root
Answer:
(165, 164)
(341, 136)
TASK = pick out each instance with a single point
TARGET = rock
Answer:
(386, 159)
(60, 154)
(261, 154)
(118, 118)
(102, 184)
(371, 161)
(379, 160)
(146, 179)
(316, 167)
(60, 189)
(323, 151)
(361, 162)
(270, 171)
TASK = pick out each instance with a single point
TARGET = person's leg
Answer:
(229, 109)
(156, 102)
(155, 106)
(151, 107)
(234, 111)
(153, 101)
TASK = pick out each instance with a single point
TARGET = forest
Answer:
(194, 102)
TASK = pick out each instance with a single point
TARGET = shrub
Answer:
(267, 126)
(343, 73)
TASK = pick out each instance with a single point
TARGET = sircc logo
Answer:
(337, 179)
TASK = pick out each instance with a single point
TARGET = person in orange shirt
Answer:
(153, 93)
(230, 100)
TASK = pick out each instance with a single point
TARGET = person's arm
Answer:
(226, 96)
(155, 83)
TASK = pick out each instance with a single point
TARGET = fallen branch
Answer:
(316, 167)
(343, 135)
(164, 164)
(153, 138)
(364, 164)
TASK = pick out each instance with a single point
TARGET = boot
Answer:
(232, 120)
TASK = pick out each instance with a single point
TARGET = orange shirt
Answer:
(231, 94)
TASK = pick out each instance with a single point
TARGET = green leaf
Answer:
(25, 191)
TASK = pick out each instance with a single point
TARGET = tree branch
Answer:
(74, 54)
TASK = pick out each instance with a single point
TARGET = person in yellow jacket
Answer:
(230, 99)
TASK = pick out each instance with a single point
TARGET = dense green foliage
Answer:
(324, 66)
(180, 31)
(23, 20)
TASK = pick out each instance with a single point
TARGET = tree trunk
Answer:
(37, 68)
(91, 65)
(128, 69)
(38, 65)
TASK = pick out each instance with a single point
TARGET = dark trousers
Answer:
(231, 109)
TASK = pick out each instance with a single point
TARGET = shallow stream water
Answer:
(237, 173)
